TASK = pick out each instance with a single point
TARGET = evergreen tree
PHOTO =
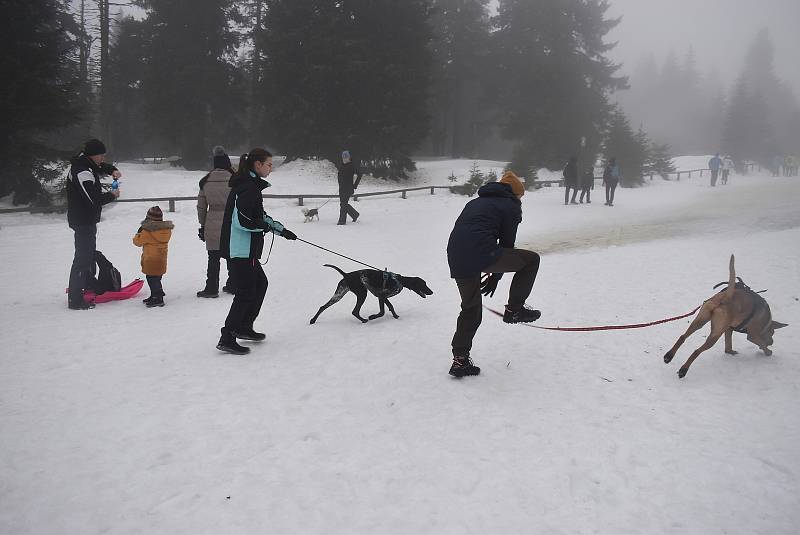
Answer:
(630, 149)
(553, 77)
(747, 133)
(659, 161)
(40, 95)
(459, 48)
(192, 92)
(353, 75)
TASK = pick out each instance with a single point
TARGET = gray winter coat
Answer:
(214, 189)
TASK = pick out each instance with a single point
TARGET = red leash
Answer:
(603, 327)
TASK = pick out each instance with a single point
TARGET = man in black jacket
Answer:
(347, 187)
(85, 200)
(482, 241)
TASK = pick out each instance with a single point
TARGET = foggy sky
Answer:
(719, 30)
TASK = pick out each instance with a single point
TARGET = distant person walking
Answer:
(242, 242)
(347, 187)
(611, 176)
(727, 167)
(85, 200)
(587, 183)
(777, 165)
(714, 164)
(214, 190)
(571, 180)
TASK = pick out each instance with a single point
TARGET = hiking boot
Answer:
(463, 366)
(154, 302)
(208, 293)
(247, 333)
(227, 344)
(228, 289)
(520, 314)
(341, 223)
(80, 305)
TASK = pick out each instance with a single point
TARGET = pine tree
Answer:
(40, 95)
(553, 77)
(459, 48)
(349, 75)
(629, 148)
(659, 161)
(193, 94)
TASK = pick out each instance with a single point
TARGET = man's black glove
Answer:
(201, 233)
(489, 285)
(288, 234)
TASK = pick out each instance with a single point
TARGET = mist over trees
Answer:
(757, 118)
(530, 82)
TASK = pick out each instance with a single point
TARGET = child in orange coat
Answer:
(153, 237)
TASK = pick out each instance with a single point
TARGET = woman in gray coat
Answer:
(214, 189)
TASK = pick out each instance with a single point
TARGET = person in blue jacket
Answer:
(482, 241)
(714, 164)
(242, 242)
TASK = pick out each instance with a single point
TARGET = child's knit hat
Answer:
(155, 214)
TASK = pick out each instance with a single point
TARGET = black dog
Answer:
(381, 284)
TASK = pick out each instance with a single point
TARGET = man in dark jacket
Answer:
(242, 242)
(347, 187)
(482, 241)
(571, 179)
(85, 200)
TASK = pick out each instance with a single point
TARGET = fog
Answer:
(719, 30)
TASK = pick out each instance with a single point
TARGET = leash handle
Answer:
(338, 254)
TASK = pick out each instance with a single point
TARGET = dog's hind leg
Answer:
(360, 298)
(382, 310)
(729, 343)
(341, 290)
(716, 332)
(701, 319)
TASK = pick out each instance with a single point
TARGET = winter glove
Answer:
(288, 234)
(489, 285)
(201, 233)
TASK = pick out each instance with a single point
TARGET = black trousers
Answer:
(346, 210)
(588, 193)
(212, 271)
(611, 186)
(154, 282)
(566, 193)
(523, 263)
(250, 283)
(83, 261)
(714, 174)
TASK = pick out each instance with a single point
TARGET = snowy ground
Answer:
(127, 420)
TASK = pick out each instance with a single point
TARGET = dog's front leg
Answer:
(729, 343)
(382, 309)
(391, 309)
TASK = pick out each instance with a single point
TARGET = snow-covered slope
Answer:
(127, 420)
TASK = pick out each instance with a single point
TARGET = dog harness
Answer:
(760, 302)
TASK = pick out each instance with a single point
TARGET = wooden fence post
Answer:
(172, 205)
(679, 176)
(300, 201)
(431, 191)
(355, 198)
(404, 194)
(701, 172)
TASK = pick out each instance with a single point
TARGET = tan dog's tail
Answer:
(731, 281)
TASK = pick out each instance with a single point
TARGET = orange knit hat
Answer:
(513, 180)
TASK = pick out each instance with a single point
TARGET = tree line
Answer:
(530, 82)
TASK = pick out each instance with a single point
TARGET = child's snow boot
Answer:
(227, 344)
(463, 366)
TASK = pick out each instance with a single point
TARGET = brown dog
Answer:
(737, 308)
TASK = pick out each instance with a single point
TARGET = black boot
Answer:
(208, 292)
(80, 305)
(155, 301)
(247, 333)
(520, 314)
(228, 289)
(463, 366)
(227, 344)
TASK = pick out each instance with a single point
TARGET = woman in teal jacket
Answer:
(242, 242)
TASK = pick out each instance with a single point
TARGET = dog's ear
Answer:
(778, 325)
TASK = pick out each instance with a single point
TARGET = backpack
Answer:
(108, 277)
